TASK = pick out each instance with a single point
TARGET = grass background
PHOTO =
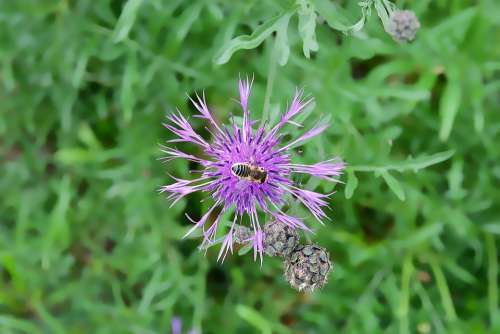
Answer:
(88, 246)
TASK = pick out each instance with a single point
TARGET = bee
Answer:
(249, 172)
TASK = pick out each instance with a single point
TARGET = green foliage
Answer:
(87, 245)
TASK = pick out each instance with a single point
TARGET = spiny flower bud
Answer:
(242, 234)
(279, 239)
(404, 25)
(307, 267)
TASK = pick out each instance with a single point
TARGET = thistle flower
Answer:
(307, 267)
(261, 185)
(403, 25)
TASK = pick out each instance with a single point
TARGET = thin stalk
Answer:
(444, 291)
(491, 249)
(271, 74)
(404, 303)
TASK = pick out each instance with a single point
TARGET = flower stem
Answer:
(271, 74)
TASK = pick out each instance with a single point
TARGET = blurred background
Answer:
(87, 245)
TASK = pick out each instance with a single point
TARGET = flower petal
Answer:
(184, 130)
(326, 170)
(201, 106)
(245, 87)
(307, 135)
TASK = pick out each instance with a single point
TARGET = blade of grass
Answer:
(126, 20)
(491, 250)
(404, 303)
(254, 318)
(444, 291)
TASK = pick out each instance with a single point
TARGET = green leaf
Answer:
(282, 47)
(307, 27)
(87, 136)
(72, 156)
(252, 41)
(410, 164)
(245, 249)
(17, 325)
(334, 15)
(254, 318)
(460, 273)
(394, 185)
(455, 180)
(186, 20)
(127, 94)
(384, 10)
(421, 235)
(352, 184)
(126, 20)
(493, 227)
(448, 107)
(453, 27)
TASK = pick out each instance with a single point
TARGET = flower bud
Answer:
(279, 239)
(307, 267)
(242, 234)
(404, 25)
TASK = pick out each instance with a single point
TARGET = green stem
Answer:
(271, 74)
(404, 305)
(444, 291)
(430, 309)
(492, 280)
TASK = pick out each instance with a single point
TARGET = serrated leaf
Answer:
(352, 184)
(307, 27)
(126, 20)
(384, 10)
(366, 11)
(282, 47)
(252, 41)
(393, 184)
(333, 14)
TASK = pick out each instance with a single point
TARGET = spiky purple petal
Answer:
(326, 170)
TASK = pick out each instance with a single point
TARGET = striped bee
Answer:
(249, 172)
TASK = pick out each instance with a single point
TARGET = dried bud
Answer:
(404, 25)
(242, 234)
(307, 267)
(279, 239)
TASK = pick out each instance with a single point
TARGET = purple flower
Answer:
(259, 150)
(177, 326)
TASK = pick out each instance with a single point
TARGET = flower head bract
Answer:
(255, 147)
